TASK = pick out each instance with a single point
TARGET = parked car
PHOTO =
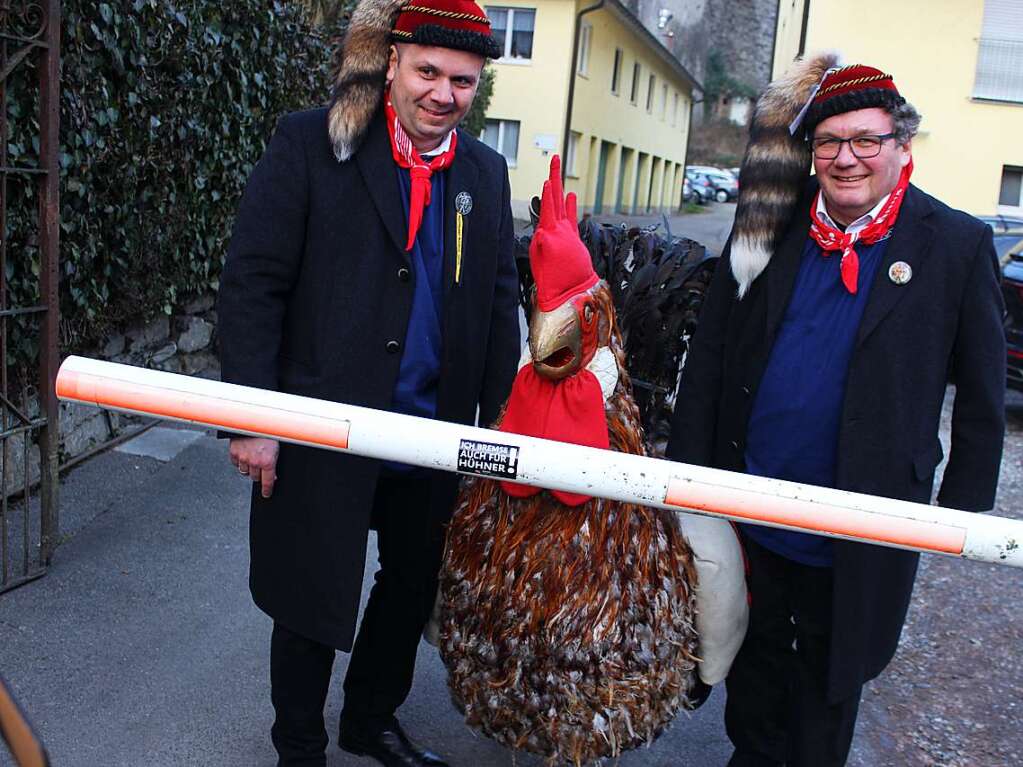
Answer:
(1008, 237)
(1006, 230)
(700, 189)
(1012, 292)
(1000, 223)
(726, 185)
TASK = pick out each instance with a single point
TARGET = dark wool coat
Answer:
(315, 300)
(944, 325)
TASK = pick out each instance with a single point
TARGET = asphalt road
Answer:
(141, 645)
(710, 226)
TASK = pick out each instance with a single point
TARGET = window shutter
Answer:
(1000, 52)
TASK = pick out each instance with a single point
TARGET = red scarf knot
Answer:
(831, 239)
(420, 170)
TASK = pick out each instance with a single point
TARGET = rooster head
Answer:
(569, 319)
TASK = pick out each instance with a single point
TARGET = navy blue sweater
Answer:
(793, 427)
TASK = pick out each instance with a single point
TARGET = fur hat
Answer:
(375, 25)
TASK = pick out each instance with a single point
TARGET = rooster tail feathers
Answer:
(359, 83)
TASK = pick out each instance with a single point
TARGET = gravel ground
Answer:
(953, 695)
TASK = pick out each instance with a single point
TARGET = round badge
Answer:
(463, 203)
(900, 272)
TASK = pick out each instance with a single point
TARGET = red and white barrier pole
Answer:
(555, 465)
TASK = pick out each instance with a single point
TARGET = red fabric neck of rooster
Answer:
(569, 410)
(420, 170)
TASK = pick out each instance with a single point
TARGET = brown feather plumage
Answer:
(569, 631)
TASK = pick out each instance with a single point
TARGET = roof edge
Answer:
(666, 56)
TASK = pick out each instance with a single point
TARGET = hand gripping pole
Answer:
(544, 463)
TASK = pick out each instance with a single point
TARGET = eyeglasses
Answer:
(862, 147)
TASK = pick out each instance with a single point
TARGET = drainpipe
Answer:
(806, 23)
(689, 138)
(571, 79)
(774, 43)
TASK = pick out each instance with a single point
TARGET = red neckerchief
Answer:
(420, 170)
(831, 239)
(569, 410)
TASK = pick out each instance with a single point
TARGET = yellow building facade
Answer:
(630, 106)
(959, 62)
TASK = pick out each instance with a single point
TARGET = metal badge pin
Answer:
(900, 272)
(463, 203)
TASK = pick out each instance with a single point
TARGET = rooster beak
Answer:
(555, 342)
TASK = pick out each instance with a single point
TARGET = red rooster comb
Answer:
(560, 263)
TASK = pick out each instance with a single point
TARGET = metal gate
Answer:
(29, 63)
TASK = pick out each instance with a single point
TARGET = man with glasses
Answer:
(843, 305)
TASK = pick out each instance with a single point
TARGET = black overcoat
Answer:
(315, 300)
(944, 325)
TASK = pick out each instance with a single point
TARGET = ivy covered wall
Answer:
(165, 106)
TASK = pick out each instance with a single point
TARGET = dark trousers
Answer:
(410, 542)
(777, 711)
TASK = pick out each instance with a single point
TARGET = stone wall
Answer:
(180, 343)
(740, 31)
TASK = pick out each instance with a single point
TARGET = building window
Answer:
(650, 93)
(503, 136)
(571, 153)
(512, 28)
(585, 35)
(1011, 192)
(634, 94)
(616, 72)
(664, 100)
(674, 110)
(999, 75)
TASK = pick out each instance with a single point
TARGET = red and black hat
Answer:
(850, 88)
(458, 24)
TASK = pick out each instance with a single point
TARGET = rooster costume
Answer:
(578, 627)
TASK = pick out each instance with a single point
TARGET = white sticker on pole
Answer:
(488, 459)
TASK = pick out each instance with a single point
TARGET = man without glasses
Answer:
(371, 264)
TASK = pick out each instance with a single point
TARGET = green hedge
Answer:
(165, 107)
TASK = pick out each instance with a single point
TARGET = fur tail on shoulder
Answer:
(774, 169)
(359, 83)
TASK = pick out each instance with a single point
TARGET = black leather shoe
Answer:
(391, 747)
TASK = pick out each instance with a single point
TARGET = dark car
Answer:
(1008, 238)
(1012, 291)
(1000, 223)
(726, 186)
(700, 189)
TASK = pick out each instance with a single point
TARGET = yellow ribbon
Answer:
(458, 246)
